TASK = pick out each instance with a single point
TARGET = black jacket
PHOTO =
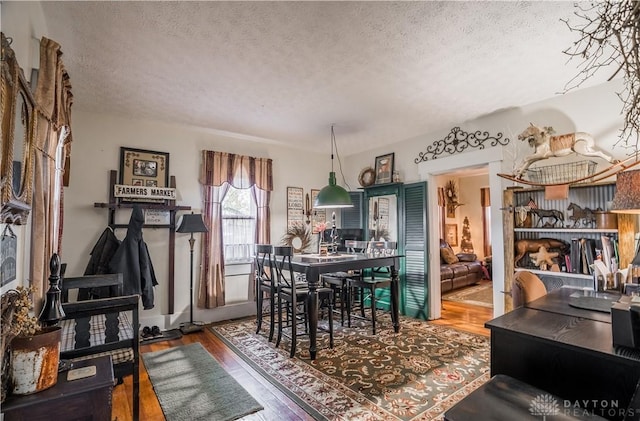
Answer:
(101, 255)
(132, 259)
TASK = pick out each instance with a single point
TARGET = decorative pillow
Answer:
(467, 257)
(448, 255)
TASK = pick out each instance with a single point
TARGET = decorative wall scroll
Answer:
(457, 141)
(144, 168)
(295, 209)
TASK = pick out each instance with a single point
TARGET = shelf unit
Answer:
(115, 204)
(593, 196)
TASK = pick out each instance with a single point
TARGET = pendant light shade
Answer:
(627, 196)
(332, 196)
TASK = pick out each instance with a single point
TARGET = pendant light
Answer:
(627, 196)
(332, 196)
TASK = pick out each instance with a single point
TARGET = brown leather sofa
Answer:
(458, 270)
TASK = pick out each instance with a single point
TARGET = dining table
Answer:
(314, 265)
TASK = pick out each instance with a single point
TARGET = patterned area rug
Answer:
(416, 374)
(479, 295)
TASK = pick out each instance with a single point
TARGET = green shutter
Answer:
(351, 218)
(414, 282)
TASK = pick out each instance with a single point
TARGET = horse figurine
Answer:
(556, 215)
(546, 146)
(584, 215)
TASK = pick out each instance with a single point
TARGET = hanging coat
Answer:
(132, 259)
(101, 255)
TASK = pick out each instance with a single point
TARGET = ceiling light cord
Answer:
(333, 143)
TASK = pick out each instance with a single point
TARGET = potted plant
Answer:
(30, 353)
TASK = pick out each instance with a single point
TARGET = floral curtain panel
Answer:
(217, 172)
(53, 133)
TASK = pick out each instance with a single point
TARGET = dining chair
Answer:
(265, 287)
(292, 292)
(366, 285)
(337, 281)
(527, 287)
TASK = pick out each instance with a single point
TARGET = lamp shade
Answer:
(332, 196)
(191, 223)
(627, 197)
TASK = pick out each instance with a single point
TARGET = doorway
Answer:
(490, 160)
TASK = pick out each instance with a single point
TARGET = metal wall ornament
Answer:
(458, 141)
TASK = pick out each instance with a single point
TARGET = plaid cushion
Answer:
(97, 337)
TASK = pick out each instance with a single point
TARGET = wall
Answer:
(96, 151)
(470, 195)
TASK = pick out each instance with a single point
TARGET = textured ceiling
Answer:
(381, 72)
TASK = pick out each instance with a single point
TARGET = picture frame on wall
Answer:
(144, 168)
(451, 234)
(295, 207)
(384, 168)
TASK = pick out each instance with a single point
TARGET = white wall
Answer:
(95, 151)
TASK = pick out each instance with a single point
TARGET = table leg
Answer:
(312, 311)
(395, 304)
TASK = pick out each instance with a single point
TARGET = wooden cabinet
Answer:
(567, 224)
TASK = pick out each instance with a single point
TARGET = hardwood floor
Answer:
(277, 406)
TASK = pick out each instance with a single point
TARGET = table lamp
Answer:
(191, 223)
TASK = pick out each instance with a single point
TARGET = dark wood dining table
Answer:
(314, 265)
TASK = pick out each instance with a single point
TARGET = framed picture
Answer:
(317, 215)
(139, 167)
(384, 168)
(295, 207)
(451, 234)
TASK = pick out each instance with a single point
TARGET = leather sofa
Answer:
(458, 270)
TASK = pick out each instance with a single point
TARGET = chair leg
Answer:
(272, 323)
(294, 330)
(349, 291)
(259, 303)
(330, 323)
(279, 321)
(373, 308)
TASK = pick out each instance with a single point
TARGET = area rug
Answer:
(191, 385)
(416, 374)
(479, 295)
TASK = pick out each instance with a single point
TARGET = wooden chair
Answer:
(107, 326)
(366, 286)
(294, 295)
(265, 286)
(526, 288)
(337, 281)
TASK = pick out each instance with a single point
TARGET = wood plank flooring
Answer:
(277, 405)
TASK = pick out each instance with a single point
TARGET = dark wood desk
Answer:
(557, 301)
(313, 266)
(86, 399)
(565, 354)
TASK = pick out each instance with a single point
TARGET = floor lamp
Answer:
(191, 223)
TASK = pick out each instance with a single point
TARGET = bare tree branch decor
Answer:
(610, 35)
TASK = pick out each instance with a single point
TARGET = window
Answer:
(238, 225)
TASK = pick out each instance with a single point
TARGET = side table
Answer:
(86, 399)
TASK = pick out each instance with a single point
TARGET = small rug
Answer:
(191, 385)
(478, 295)
(415, 374)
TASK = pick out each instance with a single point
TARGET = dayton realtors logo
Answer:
(548, 406)
(544, 405)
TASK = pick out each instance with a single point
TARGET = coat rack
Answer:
(170, 206)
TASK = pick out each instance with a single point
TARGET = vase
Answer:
(34, 361)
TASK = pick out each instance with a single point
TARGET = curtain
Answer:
(219, 170)
(53, 129)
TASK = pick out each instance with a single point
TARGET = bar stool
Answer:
(293, 294)
(265, 286)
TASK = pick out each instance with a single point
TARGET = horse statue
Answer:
(555, 215)
(546, 146)
(584, 215)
